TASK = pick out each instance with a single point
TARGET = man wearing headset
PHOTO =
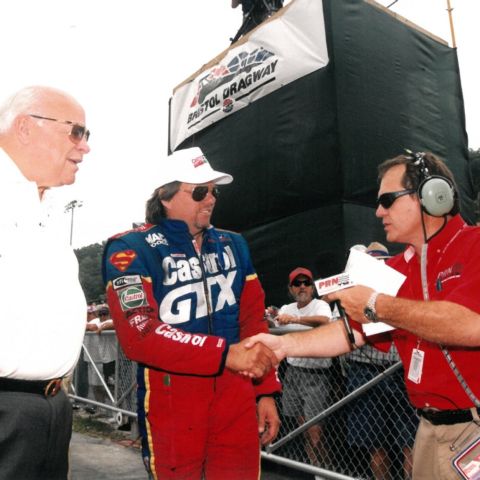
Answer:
(435, 314)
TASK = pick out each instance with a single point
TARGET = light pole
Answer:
(70, 207)
(450, 19)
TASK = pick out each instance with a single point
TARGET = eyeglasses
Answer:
(386, 199)
(76, 133)
(298, 283)
(200, 192)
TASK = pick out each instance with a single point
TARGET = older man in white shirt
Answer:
(43, 139)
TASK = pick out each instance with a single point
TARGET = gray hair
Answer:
(23, 102)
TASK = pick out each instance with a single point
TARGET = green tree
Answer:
(90, 266)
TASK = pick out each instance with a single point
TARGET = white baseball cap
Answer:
(190, 166)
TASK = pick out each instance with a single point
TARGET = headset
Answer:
(436, 193)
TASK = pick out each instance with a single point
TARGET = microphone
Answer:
(348, 328)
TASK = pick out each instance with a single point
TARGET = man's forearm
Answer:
(436, 321)
(329, 341)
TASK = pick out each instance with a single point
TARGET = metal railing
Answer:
(364, 429)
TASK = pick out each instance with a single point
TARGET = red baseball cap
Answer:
(300, 271)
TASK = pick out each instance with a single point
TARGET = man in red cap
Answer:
(306, 383)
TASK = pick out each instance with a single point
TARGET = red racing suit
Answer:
(176, 313)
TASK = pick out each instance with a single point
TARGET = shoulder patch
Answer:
(122, 260)
(142, 228)
(127, 280)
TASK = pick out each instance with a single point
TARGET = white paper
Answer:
(364, 269)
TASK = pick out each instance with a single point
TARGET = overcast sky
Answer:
(121, 60)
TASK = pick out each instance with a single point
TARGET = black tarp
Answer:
(304, 158)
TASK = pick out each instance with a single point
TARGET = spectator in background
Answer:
(306, 383)
(102, 352)
(81, 370)
(381, 420)
(43, 139)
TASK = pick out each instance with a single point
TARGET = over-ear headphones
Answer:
(436, 193)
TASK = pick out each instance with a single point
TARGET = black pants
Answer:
(35, 434)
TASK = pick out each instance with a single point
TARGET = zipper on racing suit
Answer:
(207, 296)
(205, 287)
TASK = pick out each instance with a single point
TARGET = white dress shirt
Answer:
(43, 308)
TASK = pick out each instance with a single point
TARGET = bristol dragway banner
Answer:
(288, 46)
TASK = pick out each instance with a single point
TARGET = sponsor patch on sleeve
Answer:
(122, 260)
(127, 280)
(132, 297)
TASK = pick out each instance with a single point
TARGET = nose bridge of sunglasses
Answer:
(201, 191)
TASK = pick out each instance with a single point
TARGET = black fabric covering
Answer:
(304, 158)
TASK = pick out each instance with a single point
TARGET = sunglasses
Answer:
(200, 192)
(76, 133)
(298, 283)
(386, 199)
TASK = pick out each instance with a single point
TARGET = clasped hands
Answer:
(254, 356)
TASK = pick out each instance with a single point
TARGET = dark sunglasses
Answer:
(386, 199)
(200, 192)
(298, 283)
(76, 133)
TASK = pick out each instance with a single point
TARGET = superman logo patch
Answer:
(122, 260)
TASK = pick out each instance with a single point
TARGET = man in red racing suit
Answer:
(183, 296)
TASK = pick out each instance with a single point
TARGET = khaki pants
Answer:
(432, 456)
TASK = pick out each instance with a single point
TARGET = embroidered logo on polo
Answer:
(122, 260)
(450, 273)
(155, 239)
(132, 297)
(127, 280)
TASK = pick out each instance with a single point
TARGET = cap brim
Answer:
(218, 178)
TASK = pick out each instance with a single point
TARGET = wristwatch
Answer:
(369, 311)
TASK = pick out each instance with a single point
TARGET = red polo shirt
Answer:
(453, 272)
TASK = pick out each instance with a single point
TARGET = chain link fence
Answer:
(105, 386)
(348, 418)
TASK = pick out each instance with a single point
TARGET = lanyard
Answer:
(426, 297)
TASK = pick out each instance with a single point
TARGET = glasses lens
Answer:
(78, 132)
(199, 193)
(386, 199)
(298, 283)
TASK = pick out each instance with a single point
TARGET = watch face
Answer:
(370, 314)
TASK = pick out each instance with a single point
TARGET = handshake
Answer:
(255, 356)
